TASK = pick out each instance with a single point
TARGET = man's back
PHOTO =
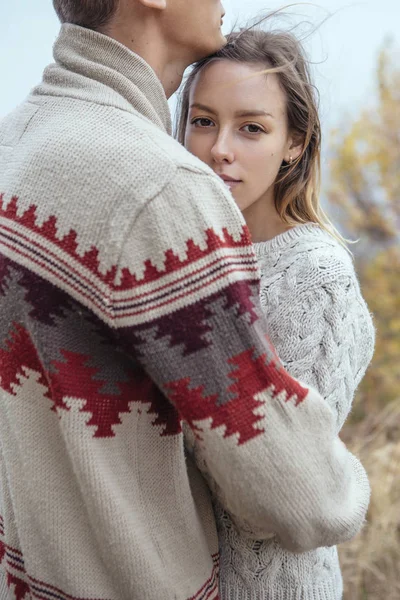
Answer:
(85, 431)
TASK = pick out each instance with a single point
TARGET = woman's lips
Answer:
(230, 182)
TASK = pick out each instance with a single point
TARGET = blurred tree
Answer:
(365, 190)
(380, 280)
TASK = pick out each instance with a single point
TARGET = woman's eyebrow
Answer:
(253, 113)
(239, 113)
(203, 107)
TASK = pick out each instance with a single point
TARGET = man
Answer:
(129, 304)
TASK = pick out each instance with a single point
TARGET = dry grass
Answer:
(371, 562)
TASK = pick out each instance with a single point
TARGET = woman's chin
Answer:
(237, 200)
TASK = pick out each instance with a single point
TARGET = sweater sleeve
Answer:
(323, 333)
(195, 323)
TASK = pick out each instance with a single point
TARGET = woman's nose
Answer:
(222, 150)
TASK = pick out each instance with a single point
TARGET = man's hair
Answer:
(92, 14)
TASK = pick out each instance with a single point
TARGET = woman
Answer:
(250, 113)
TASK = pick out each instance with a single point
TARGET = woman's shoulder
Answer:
(307, 254)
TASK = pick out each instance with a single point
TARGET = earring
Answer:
(290, 160)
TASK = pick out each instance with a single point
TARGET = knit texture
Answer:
(128, 304)
(323, 332)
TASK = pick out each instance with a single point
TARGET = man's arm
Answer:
(195, 323)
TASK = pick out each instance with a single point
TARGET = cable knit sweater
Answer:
(323, 333)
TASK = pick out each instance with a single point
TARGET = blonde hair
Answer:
(297, 187)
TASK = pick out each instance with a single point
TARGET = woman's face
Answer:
(237, 124)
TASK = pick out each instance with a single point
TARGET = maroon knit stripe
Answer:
(69, 244)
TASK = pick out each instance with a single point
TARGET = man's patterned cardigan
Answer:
(129, 304)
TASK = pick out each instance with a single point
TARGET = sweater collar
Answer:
(110, 71)
(287, 238)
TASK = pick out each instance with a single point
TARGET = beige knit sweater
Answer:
(129, 303)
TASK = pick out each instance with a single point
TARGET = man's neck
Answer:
(152, 48)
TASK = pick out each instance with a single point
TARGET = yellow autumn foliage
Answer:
(365, 191)
(365, 187)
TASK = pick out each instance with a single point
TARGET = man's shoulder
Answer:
(169, 162)
(163, 147)
(95, 127)
(118, 148)
(143, 151)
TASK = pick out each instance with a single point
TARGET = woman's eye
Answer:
(252, 128)
(202, 122)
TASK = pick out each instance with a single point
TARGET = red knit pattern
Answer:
(90, 259)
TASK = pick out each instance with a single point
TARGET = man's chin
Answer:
(212, 48)
(221, 44)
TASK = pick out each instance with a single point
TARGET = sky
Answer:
(344, 47)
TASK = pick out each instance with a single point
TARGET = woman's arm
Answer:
(325, 336)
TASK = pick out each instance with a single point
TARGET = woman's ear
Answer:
(294, 149)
